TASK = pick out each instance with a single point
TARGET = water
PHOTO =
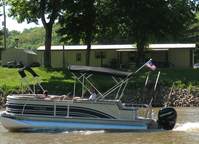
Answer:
(185, 132)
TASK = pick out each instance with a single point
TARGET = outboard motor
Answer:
(167, 118)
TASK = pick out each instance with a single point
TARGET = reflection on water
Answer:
(185, 132)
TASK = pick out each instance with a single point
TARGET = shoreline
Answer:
(177, 97)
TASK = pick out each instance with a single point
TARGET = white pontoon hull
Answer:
(26, 112)
(14, 124)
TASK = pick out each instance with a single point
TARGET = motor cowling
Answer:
(167, 118)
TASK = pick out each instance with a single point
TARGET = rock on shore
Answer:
(2, 101)
(178, 97)
(184, 98)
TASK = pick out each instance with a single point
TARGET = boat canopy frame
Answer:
(36, 79)
(83, 78)
(83, 73)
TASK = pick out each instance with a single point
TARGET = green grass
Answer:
(8, 77)
(61, 82)
(180, 77)
(54, 80)
(11, 78)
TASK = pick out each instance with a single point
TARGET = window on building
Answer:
(78, 56)
(131, 56)
(100, 55)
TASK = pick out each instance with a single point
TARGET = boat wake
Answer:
(187, 127)
(64, 131)
(85, 132)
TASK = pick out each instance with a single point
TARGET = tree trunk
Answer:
(140, 53)
(88, 50)
(47, 52)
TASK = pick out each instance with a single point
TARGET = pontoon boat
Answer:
(30, 111)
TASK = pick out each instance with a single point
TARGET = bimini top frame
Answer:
(98, 70)
(83, 73)
(37, 81)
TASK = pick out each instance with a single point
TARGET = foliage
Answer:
(32, 11)
(147, 20)
(76, 21)
(79, 23)
(31, 38)
(192, 36)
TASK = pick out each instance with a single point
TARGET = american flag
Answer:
(150, 65)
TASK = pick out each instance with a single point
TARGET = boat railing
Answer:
(24, 106)
(50, 110)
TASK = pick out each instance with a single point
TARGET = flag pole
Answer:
(156, 82)
(142, 66)
(147, 79)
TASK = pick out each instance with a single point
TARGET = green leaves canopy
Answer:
(78, 21)
(155, 19)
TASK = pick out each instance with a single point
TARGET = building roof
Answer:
(134, 49)
(30, 52)
(122, 47)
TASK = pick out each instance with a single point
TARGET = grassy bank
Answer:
(61, 82)
(183, 78)
(54, 80)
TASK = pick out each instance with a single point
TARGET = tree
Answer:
(148, 19)
(109, 28)
(79, 23)
(1, 31)
(12, 35)
(1, 38)
(32, 11)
